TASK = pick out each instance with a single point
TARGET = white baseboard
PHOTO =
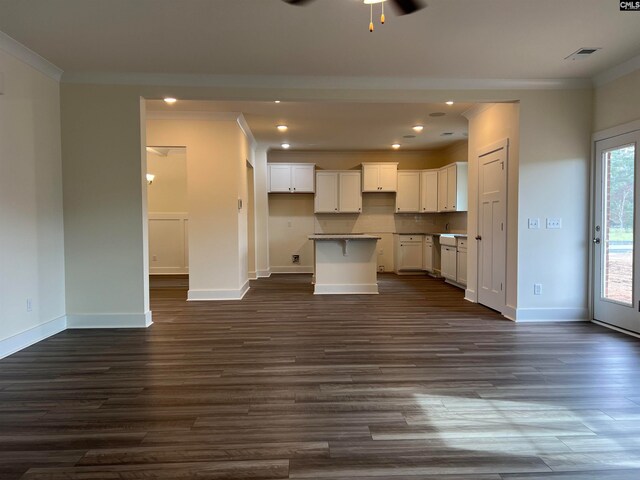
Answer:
(168, 271)
(349, 289)
(292, 269)
(253, 275)
(617, 329)
(17, 342)
(470, 296)
(510, 312)
(264, 273)
(216, 295)
(552, 315)
(110, 320)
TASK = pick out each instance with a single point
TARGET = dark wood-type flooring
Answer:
(414, 383)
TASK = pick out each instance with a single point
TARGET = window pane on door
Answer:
(618, 234)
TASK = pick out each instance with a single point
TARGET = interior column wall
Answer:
(31, 215)
(216, 179)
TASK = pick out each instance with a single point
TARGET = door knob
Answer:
(478, 237)
(596, 240)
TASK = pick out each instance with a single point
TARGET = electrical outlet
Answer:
(534, 223)
(554, 223)
(537, 289)
(381, 268)
(29, 305)
(154, 258)
(295, 258)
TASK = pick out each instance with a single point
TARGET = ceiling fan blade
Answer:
(297, 2)
(406, 7)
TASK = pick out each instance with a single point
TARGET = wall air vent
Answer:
(582, 53)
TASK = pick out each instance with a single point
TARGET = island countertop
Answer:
(329, 236)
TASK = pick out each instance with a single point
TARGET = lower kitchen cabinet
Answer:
(428, 256)
(449, 262)
(408, 253)
(461, 275)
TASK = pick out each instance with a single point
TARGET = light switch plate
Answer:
(554, 223)
(534, 223)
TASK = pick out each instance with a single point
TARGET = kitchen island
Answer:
(345, 264)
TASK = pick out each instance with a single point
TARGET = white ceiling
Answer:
(339, 126)
(471, 39)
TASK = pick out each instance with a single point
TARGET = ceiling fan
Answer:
(404, 7)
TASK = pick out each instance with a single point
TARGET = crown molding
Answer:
(244, 126)
(193, 115)
(476, 110)
(321, 82)
(617, 72)
(28, 56)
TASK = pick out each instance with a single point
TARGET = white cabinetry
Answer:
(408, 252)
(408, 196)
(429, 259)
(454, 259)
(448, 262)
(350, 192)
(429, 191)
(452, 188)
(291, 177)
(338, 192)
(461, 275)
(379, 177)
(417, 191)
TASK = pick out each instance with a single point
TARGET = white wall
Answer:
(217, 154)
(547, 177)
(292, 220)
(168, 193)
(31, 219)
(617, 102)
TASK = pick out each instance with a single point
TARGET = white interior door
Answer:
(492, 232)
(615, 295)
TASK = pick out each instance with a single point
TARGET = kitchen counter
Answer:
(345, 264)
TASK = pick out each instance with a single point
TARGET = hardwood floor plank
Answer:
(411, 384)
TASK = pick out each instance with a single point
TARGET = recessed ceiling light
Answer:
(450, 102)
(282, 128)
(277, 101)
(418, 128)
(285, 145)
(395, 146)
(170, 100)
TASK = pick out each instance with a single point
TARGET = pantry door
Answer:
(616, 298)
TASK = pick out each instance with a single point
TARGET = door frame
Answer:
(618, 130)
(481, 152)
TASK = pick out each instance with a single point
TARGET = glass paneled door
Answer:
(616, 232)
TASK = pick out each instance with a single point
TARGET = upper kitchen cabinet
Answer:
(452, 188)
(417, 191)
(429, 191)
(379, 177)
(408, 197)
(338, 192)
(291, 177)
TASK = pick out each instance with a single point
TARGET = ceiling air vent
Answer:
(582, 53)
(446, 134)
